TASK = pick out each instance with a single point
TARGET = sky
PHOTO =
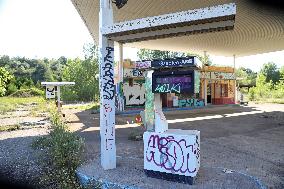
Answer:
(53, 28)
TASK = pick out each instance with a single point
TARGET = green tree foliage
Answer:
(85, 73)
(268, 84)
(5, 78)
(248, 77)
(147, 54)
(271, 72)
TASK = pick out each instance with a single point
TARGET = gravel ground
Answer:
(18, 160)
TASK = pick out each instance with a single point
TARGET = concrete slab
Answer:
(130, 174)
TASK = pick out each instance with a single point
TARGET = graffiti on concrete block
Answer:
(173, 153)
(191, 103)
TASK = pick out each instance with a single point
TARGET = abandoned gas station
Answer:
(226, 28)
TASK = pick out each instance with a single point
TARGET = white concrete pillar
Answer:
(107, 88)
(205, 92)
(120, 67)
(235, 85)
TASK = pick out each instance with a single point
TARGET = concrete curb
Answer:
(85, 180)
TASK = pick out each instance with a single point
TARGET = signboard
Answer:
(173, 82)
(50, 91)
(132, 73)
(143, 64)
(218, 75)
(177, 62)
(221, 75)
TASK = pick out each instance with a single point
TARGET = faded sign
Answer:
(50, 91)
(218, 75)
(143, 64)
(132, 73)
(178, 62)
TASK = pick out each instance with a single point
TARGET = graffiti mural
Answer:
(135, 94)
(172, 152)
(191, 103)
(142, 64)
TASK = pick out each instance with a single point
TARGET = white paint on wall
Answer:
(134, 95)
(175, 151)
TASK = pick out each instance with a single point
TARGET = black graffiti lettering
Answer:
(107, 82)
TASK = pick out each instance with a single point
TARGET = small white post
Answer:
(107, 88)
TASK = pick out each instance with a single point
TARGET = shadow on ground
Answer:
(245, 139)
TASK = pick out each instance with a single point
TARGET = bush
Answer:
(62, 155)
(28, 92)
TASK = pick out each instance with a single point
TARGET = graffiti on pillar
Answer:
(135, 94)
(109, 127)
(172, 153)
(191, 102)
(107, 75)
(149, 104)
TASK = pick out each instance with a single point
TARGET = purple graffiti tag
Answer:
(170, 154)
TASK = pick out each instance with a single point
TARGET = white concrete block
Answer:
(175, 151)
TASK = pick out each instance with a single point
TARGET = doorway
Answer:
(209, 93)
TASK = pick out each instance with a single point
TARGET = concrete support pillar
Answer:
(120, 65)
(107, 88)
(205, 91)
(235, 86)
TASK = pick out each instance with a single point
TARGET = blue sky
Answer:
(53, 28)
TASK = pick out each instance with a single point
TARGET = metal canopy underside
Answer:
(256, 30)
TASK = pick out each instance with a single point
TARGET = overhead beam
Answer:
(209, 19)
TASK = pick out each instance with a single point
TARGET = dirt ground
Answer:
(248, 139)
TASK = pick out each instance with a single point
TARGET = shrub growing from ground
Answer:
(62, 153)
(28, 92)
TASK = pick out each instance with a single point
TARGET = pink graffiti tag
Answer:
(170, 154)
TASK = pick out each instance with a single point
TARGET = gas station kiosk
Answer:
(171, 154)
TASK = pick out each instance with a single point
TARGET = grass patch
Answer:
(61, 155)
(9, 104)
(270, 100)
(9, 127)
(87, 106)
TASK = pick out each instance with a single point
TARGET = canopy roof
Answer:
(257, 29)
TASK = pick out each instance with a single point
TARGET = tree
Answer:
(271, 72)
(5, 78)
(147, 54)
(247, 75)
(85, 74)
